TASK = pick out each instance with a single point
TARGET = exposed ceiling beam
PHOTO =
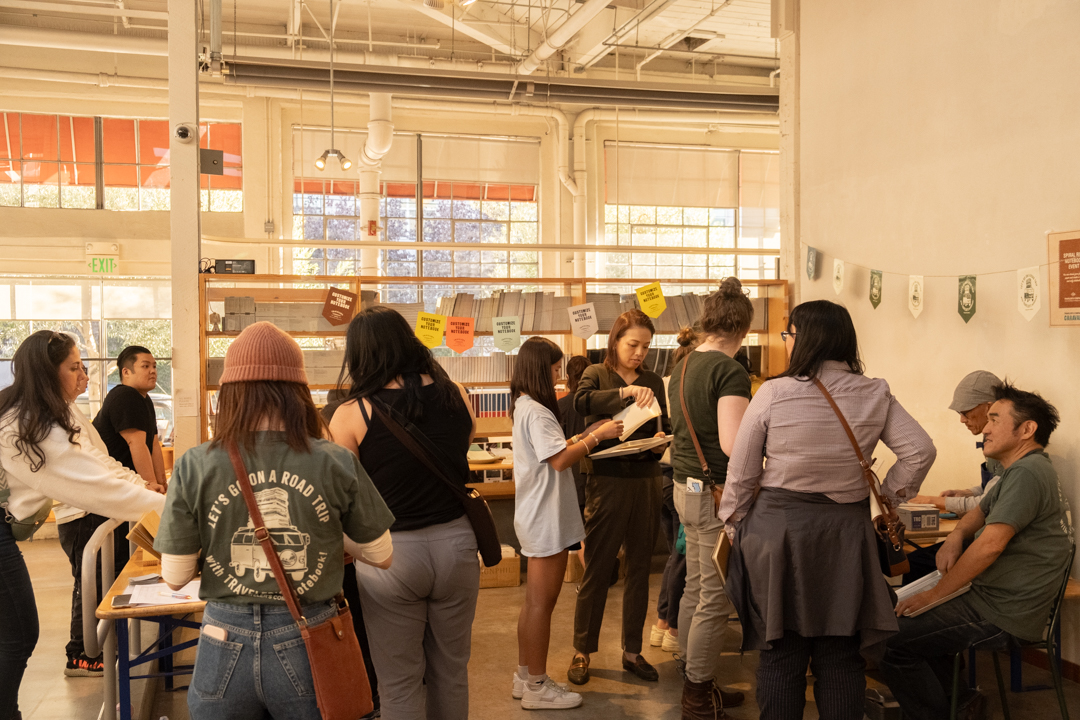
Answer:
(490, 36)
(51, 7)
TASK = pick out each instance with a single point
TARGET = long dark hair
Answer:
(380, 347)
(532, 374)
(629, 319)
(242, 406)
(824, 331)
(35, 397)
(575, 366)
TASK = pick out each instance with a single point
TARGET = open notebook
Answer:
(145, 531)
(633, 417)
(922, 585)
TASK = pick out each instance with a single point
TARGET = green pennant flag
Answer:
(875, 288)
(965, 300)
(811, 262)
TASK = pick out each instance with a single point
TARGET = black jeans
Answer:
(918, 662)
(839, 682)
(18, 621)
(351, 591)
(74, 535)
(673, 581)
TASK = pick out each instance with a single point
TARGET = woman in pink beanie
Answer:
(252, 661)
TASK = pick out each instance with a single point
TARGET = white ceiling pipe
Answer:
(380, 138)
(65, 40)
(562, 35)
(58, 8)
(678, 36)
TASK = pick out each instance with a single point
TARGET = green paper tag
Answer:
(965, 301)
(875, 288)
(811, 262)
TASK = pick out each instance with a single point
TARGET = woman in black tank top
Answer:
(418, 613)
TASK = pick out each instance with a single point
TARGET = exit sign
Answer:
(103, 265)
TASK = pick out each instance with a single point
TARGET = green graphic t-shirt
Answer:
(307, 501)
(1016, 591)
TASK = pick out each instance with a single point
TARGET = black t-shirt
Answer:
(417, 498)
(573, 424)
(125, 408)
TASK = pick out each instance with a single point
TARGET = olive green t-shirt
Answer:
(1016, 591)
(307, 500)
(709, 377)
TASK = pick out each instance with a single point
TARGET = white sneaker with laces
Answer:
(549, 695)
(670, 642)
(656, 636)
(520, 683)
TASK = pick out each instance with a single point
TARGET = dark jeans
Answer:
(839, 682)
(923, 562)
(673, 581)
(74, 535)
(18, 621)
(918, 662)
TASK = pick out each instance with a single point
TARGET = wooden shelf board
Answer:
(311, 386)
(291, 333)
(504, 490)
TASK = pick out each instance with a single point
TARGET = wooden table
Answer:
(168, 618)
(506, 463)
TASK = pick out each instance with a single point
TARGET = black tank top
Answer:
(417, 498)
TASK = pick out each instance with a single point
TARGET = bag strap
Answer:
(263, 536)
(406, 437)
(689, 424)
(868, 473)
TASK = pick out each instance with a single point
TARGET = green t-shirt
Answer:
(1016, 591)
(307, 500)
(709, 377)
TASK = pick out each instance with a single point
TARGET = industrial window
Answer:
(52, 161)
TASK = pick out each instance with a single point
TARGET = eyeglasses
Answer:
(784, 335)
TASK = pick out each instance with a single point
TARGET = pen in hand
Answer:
(178, 596)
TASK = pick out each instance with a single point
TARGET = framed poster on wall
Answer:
(1064, 274)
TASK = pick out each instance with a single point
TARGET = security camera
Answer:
(184, 133)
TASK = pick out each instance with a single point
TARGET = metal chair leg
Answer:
(1001, 687)
(955, 685)
(1055, 672)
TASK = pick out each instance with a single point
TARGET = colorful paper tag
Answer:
(811, 262)
(838, 276)
(1029, 292)
(507, 332)
(429, 328)
(965, 297)
(651, 299)
(339, 306)
(916, 296)
(875, 288)
(460, 333)
(583, 320)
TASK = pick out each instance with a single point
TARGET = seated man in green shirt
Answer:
(1023, 538)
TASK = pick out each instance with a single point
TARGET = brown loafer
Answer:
(641, 668)
(579, 670)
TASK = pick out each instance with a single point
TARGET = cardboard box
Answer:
(506, 574)
(918, 517)
(574, 568)
(214, 369)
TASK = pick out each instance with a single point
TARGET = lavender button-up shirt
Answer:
(791, 426)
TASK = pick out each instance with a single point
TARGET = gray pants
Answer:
(419, 616)
(704, 610)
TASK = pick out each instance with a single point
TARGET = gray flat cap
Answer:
(975, 389)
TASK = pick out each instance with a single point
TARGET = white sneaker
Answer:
(520, 683)
(656, 636)
(670, 643)
(549, 696)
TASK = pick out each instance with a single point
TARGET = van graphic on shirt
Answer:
(291, 544)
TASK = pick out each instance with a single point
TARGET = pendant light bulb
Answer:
(320, 162)
(346, 163)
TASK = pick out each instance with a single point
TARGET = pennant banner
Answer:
(1029, 292)
(429, 328)
(811, 262)
(651, 300)
(965, 297)
(875, 288)
(837, 276)
(583, 320)
(915, 294)
(460, 333)
(507, 332)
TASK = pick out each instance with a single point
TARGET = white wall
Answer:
(943, 139)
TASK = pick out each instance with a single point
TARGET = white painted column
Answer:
(257, 178)
(791, 266)
(184, 220)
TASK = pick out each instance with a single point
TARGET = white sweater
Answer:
(74, 474)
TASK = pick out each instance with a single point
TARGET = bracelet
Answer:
(595, 438)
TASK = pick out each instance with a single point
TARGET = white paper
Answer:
(1028, 292)
(160, 594)
(916, 294)
(838, 276)
(634, 417)
(583, 320)
(923, 584)
(632, 447)
(507, 332)
(184, 400)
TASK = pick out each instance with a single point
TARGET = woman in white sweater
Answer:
(41, 460)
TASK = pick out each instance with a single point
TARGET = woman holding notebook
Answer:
(622, 494)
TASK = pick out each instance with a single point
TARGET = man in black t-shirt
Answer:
(127, 422)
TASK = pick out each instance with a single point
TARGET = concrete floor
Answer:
(611, 694)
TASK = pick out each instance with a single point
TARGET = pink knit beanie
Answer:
(263, 352)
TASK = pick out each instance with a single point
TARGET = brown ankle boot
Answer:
(700, 701)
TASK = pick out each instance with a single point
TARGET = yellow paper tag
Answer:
(651, 299)
(429, 328)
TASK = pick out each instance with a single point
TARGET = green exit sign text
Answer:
(103, 265)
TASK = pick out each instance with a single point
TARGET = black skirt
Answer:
(804, 563)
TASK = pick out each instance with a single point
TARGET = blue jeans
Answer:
(918, 662)
(18, 621)
(261, 670)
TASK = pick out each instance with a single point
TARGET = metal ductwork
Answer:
(496, 88)
(562, 35)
